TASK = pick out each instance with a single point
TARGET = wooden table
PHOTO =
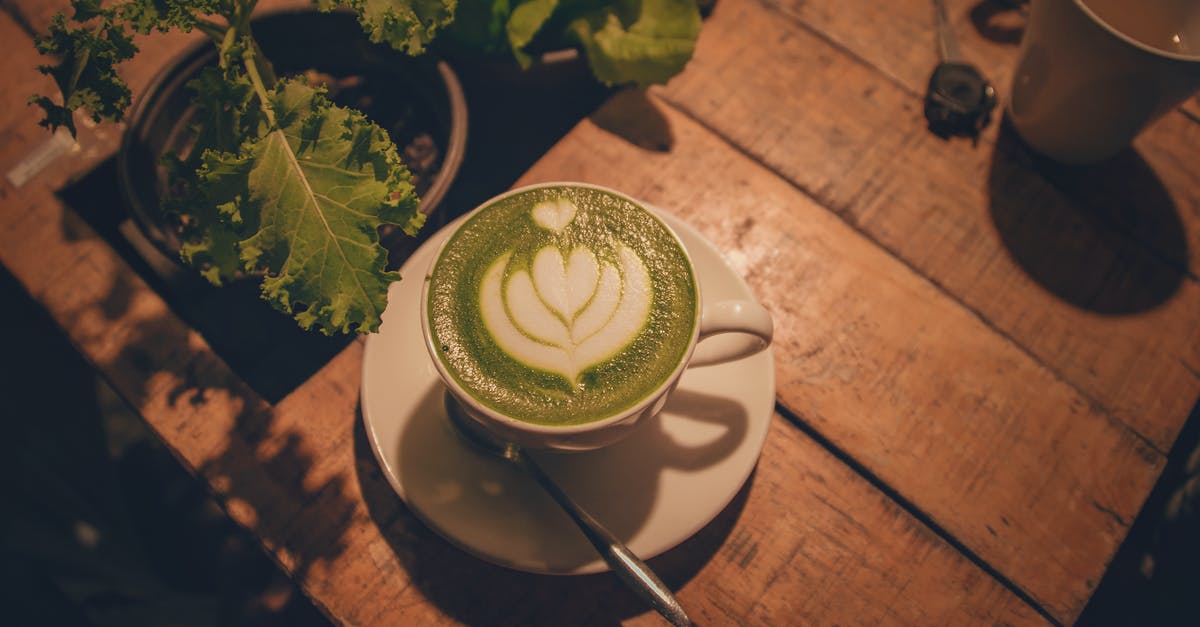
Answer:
(981, 357)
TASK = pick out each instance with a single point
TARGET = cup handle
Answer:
(745, 328)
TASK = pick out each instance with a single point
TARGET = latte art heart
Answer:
(566, 316)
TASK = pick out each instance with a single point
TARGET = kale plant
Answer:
(280, 182)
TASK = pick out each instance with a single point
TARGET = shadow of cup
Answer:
(1105, 237)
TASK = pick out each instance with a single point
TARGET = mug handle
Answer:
(748, 323)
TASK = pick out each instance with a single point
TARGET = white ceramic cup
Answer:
(1092, 74)
(723, 331)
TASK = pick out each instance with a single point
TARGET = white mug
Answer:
(745, 326)
(1092, 74)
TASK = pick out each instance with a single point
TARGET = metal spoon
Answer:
(632, 571)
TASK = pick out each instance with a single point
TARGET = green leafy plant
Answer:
(641, 42)
(279, 181)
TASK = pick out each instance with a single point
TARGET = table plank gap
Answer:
(913, 510)
(1191, 111)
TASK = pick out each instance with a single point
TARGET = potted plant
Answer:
(417, 100)
(265, 174)
(276, 179)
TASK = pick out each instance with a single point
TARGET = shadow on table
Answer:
(257, 357)
(477, 592)
(1106, 237)
(1154, 576)
(634, 117)
(101, 525)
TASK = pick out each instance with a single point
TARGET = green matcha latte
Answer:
(562, 305)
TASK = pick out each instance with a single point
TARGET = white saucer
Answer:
(653, 490)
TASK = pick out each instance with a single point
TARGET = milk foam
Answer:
(566, 316)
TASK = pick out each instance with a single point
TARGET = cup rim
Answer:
(1137, 43)
(459, 393)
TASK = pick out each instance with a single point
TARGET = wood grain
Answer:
(1015, 239)
(808, 537)
(893, 371)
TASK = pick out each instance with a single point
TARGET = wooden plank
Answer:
(1020, 467)
(809, 538)
(283, 472)
(812, 535)
(297, 476)
(1092, 281)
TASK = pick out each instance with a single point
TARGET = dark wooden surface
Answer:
(982, 356)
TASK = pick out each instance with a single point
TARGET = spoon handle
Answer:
(627, 566)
